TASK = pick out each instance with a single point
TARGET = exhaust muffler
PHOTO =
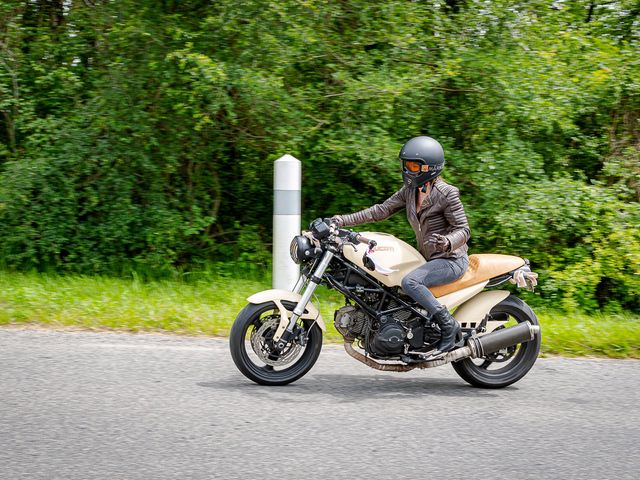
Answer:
(504, 338)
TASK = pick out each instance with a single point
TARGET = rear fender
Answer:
(277, 296)
(471, 312)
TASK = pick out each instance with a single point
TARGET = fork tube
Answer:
(314, 280)
(313, 283)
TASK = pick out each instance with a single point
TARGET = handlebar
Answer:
(371, 243)
(323, 228)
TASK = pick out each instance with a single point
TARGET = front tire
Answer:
(250, 344)
(503, 368)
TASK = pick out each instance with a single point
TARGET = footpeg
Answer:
(437, 355)
(424, 356)
(430, 355)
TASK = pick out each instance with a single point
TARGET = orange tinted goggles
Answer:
(415, 167)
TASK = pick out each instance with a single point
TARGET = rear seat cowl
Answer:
(481, 267)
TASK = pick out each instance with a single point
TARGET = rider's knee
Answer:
(409, 282)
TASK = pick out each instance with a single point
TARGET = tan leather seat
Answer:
(481, 267)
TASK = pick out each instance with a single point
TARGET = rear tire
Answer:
(519, 359)
(247, 325)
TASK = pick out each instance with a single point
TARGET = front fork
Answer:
(284, 333)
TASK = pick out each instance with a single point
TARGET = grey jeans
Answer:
(435, 272)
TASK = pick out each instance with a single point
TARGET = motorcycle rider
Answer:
(437, 216)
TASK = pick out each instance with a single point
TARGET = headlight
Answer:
(301, 249)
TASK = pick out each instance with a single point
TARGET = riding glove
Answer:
(440, 243)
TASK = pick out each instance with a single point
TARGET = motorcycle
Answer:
(277, 337)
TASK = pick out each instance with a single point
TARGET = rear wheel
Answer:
(254, 353)
(508, 365)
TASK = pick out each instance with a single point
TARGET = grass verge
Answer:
(614, 336)
(208, 307)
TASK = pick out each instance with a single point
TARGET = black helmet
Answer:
(422, 160)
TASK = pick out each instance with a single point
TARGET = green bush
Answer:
(140, 137)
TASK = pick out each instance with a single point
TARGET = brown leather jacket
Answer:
(442, 212)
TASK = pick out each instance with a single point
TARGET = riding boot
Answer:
(449, 327)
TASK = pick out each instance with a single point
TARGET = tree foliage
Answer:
(138, 133)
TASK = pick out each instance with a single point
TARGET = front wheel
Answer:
(508, 365)
(253, 352)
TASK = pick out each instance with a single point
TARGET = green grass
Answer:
(615, 336)
(98, 302)
(209, 305)
(202, 307)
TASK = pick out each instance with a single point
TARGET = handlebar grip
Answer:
(368, 241)
(355, 237)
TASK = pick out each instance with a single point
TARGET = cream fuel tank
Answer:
(390, 253)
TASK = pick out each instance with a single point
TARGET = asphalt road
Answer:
(116, 406)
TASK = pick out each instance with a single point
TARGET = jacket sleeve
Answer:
(376, 213)
(454, 213)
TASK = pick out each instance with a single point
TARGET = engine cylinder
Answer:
(350, 321)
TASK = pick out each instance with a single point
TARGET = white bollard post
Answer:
(287, 181)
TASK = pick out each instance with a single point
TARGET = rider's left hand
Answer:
(440, 242)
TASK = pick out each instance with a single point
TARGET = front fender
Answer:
(277, 296)
(471, 312)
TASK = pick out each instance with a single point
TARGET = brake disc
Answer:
(262, 345)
